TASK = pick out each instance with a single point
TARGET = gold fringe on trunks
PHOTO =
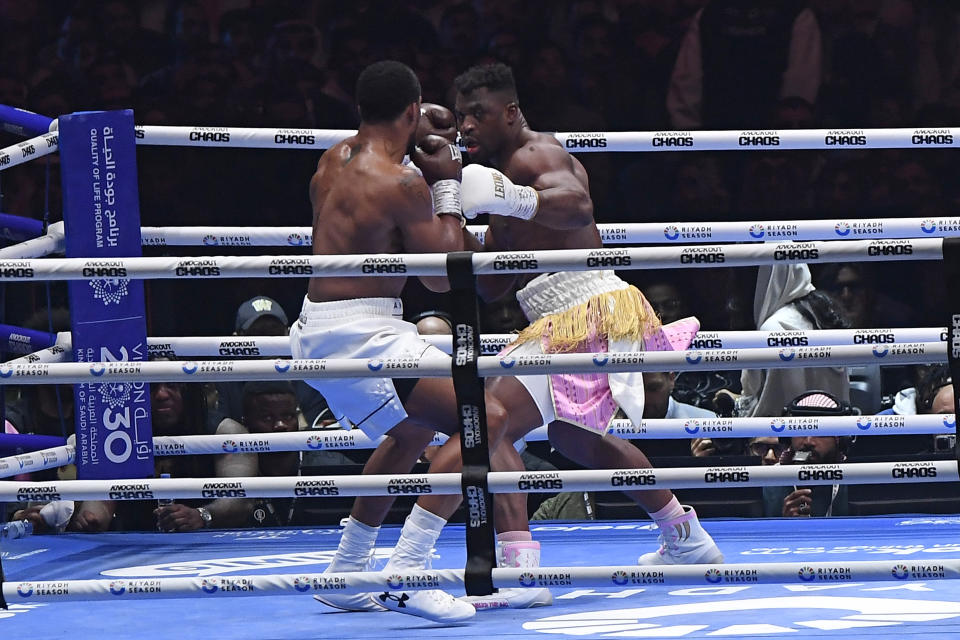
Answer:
(621, 314)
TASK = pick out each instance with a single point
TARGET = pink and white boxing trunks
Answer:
(364, 328)
(590, 401)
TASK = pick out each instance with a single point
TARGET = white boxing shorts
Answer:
(362, 328)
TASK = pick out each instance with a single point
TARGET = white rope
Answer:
(28, 150)
(655, 429)
(435, 366)
(52, 242)
(485, 263)
(610, 577)
(626, 233)
(499, 482)
(576, 142)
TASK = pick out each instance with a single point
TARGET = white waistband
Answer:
(390, 307)
(557, 292)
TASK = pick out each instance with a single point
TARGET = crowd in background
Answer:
(581, 65)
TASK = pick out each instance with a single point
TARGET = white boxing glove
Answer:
(486, 190)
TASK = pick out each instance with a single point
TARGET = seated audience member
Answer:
(177, 409)
(933, 393)
(767, 448)
(263, 316)
(268, 408)
(786, 300)
(816, 500)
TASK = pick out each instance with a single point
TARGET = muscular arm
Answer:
(421, 230)
(564, 195)
(492, 287)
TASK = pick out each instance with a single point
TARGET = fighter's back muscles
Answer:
(365, 203)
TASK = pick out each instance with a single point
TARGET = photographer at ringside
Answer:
(817, 500)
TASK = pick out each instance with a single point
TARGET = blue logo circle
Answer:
(693, 357)
(395, 581)
(879, 351)
(282, 366)
(806, 574)
(301, 584)
(863, 427)
(928, 226)
(842, 229)
(118, 587)
(686, 427)
(230, 446)
(507, 361)
(948, 423)
(25, 589)
(671, 232)
(375, 365)
(295, 240)
(775, 428)
(900, 572)
(189, 369)
(527, 579)
(210, 241)
(619, 578)
(211, 585)
(97, 371)
(600, 359)
(787, 354)
(315, 442)
(757, 231)
(713, 576)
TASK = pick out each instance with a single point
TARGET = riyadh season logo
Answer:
(375, 365)
(694, 357)
(24, 589)
(295, 240)
(842, 229)
(230, 446)
(671, 232)
(691, 430)
(787, 354)
(395, 581)
(210, 585)
(210, 241)
(862, 426)
(115, 394)
(527, 579)
(900, 572)
(777, 616)
(189, 369)
(928, 226)
(713, 576)
(110, 290)
(778, 428)
(807, 574)
(118, 587)
(314, 442)
(949, 423)
(879, 351)
(6, 371)
(281, 366)
(95, 370)
(757, 231)
(600, 359)
(619, 578)
(507, 362)
(302, 583)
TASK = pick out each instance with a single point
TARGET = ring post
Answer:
(22, 122)
(102, 221)
(18, 228)
(474, 445)
(951, 267)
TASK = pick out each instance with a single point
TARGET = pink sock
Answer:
(514, 536)
(670, 511)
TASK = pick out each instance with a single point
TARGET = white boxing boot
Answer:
(355, 553)
(414, 552)
(683, 541)
(519, 554)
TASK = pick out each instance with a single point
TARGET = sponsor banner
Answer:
(28, 150)
(241, 137)
(24, 341)
(102, 223)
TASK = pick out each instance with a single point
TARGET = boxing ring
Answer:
(858, 577)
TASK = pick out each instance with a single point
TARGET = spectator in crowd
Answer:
(263, 316)
(776, 45)
(659, 403)
(818, 500)
(268, 408)
(786, 300)
(177, 409)
(767, 448)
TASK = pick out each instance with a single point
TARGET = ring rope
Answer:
(491, 344)
(51, 242)
(652, 429)
(485, 263)
(630, 232)
(707, 575)
(499, 482)
(438, 366)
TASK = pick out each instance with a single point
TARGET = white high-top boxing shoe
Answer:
(683, 541)
(351, 601)
(524, 555)
(432, 604)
